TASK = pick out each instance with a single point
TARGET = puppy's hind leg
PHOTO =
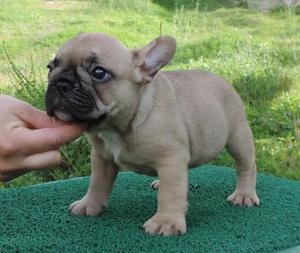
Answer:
(241, 146)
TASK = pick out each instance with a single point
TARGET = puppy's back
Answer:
(211, 110)
(204, 90)
(196, 83)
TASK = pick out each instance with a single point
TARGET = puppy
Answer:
(149, 121)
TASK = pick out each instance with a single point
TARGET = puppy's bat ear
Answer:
(151, 58)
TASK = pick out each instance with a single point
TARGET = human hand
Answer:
(29, 138)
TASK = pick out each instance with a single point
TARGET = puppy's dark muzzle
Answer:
(64, 86)
(65, 94)
(57, 94)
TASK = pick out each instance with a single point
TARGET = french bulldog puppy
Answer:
(149, 121)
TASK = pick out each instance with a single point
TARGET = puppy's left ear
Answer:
(151, 58)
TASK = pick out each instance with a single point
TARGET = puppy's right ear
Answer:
(151, 58)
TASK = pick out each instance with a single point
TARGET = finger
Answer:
(42, 160)
(33, 116)
(4, 177)
(41, 140)
(39, 119)
(28, 113)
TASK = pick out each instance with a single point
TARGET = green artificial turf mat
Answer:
(35, 218)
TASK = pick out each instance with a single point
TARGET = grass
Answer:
(258, 52)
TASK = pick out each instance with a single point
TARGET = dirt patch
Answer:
(4, 80)
(57, 5)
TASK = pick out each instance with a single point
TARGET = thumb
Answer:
(45, 139)
(34, 117)
(39, 119)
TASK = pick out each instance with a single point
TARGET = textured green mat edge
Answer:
(34, 219)
(290, 250)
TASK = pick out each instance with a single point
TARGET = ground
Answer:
(257, 52)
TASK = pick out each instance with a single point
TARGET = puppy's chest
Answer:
(116, 149)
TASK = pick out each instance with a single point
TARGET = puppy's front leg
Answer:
(101, 183)
(172, 200)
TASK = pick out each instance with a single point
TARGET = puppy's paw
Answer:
(155, 185)
(166, 225)
(242, 198)
(87, 207)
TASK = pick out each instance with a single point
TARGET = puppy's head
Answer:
(94, 78)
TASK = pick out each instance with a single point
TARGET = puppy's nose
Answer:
(64, 85)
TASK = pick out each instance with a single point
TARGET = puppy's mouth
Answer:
(66, 100)
(64, 115)
(61, 109)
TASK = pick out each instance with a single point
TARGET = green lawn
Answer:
(258, 52)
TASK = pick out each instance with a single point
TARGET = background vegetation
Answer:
(258, 52)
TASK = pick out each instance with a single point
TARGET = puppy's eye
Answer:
(100, 74)
(50, 68)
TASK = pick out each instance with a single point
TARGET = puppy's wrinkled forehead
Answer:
(88, 48)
